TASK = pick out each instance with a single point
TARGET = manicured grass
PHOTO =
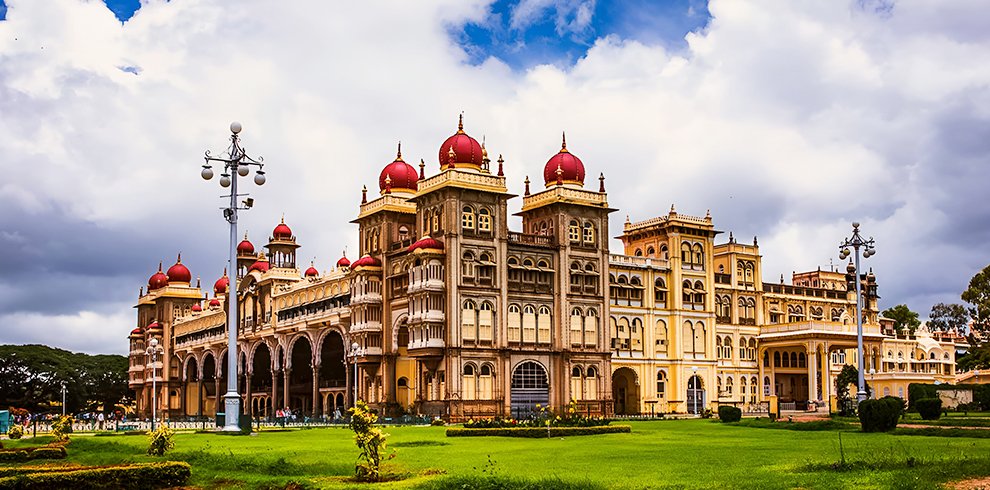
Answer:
(656, 454)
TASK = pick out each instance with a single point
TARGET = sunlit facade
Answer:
(446, 312)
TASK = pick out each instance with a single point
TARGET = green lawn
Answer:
(657, 454)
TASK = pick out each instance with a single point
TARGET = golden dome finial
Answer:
(178, 258)
(224, 272)
(460, 123)
(484, 151)
(563, 142)
(160, 266)
(398, 153)
(283, 217)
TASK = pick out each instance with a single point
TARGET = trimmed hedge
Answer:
(727, 413)
(880, 415)
(537, 432)
(140, 477)
(929, 408)
(13, 456)
(49, 452)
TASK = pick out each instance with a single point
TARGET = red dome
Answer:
(179, 272)
(220, 287)
(157, 280)
(155, 326)
(466, 148)
(214, 303)
(260, 266)
(282, 231)
(427, 242)
(196, 307)
(137, 331)
(366, 261)
(343, 262)
(312, 272)
(245, 247)
(400, 174)
(571, 168)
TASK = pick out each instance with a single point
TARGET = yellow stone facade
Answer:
(448, 313)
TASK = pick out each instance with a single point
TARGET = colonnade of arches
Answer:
(272, 375)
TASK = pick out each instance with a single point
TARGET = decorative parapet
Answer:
(388, 202)
(565, 194)
(632, 261)
(462, 178)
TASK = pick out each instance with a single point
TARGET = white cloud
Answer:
(787, 120)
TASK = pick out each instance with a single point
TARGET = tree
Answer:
(949, 317)
(978, 297)
(849, 376)
(903, 318)
(33, 376)
(978, 357)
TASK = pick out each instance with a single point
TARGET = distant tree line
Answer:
(32, 376)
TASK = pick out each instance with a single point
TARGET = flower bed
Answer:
(538, 432)
(544, 417)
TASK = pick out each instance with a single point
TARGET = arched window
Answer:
(514, 323)
(470, 382)
(686, 252)
(574, 232)
(664, 252)
(728, 385)
(467, 218)
(776, 360)
(651, 252)
(486, 382)
(469, 321)
(486, 322)
(661, 384)
(638, 252)
(699, 293)
(591, 328)
(589, 234)
(544, 321)
(660, 292)
(742, 348)
(467, 266)
(529, 324)
(577, 327)
(484, 220)
(697, 255)
(661, 337)
(577, 383)
(591, 383)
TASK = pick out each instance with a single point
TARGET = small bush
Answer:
(13, 456)
(49, 452)
(729, 414)
(880, 415)
(62, 427)
(538, 432)
(437, 423)
(15, 432)
(140, 477)
(929, 408)
(371, 441)
(161, 441)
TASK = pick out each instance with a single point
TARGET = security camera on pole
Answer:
(857, 242)
(235, 163)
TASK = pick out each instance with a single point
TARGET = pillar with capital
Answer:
(285, 387)
(316, 390)
(812, 372)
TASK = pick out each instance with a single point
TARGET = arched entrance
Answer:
(529, 388)
(301, 377)
(209, 384)
(261, 381)
(333, 372)
(625, 391)
(192, 390)
(695, 395)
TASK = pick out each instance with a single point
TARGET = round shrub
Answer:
(929, 408)
(880, 415)
(15, 432)
(161, 441)
(728, 414)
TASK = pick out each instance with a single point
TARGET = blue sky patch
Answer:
(524, 33)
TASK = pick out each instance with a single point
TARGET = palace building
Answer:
(446, 312)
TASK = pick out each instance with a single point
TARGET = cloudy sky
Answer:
(789, 120)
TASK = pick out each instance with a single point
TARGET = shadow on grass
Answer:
(419, 443)
(506, 483)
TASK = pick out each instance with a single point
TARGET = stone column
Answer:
(827, 375)
(317, 406)
(813, 372)
(285, 387)
(199, 396)
(249, 406)
(274, 393)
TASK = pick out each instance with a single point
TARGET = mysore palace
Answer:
(446, 312)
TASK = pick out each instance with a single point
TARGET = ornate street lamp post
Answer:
(235, 163)
(856, 242)
(153, 350)
(63, 397)
(355, 349)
